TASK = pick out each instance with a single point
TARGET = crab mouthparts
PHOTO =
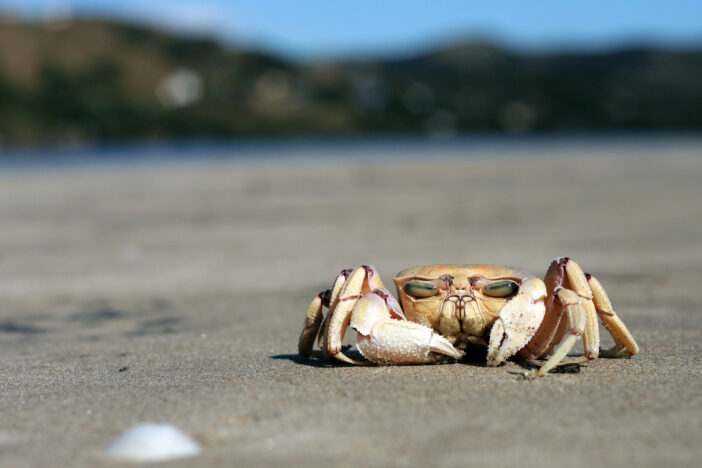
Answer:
(460, 301)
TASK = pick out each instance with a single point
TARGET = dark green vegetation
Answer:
(96, 80)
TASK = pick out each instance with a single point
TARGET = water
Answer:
(339, 150)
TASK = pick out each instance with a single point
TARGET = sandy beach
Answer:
(176, 294)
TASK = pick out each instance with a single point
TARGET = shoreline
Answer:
(339, 150)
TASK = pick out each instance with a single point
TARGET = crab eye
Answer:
(420, 288)
(501, 288)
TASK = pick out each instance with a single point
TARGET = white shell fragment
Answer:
(152, 443)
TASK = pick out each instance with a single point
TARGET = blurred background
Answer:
(76, 72)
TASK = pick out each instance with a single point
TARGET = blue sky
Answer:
(330, 28)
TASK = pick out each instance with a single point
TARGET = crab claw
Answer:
(517, 322)
(386, 340)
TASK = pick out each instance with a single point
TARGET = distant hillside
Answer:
(100, 81)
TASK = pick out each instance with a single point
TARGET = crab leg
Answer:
(596, 304)
(361, 280)
(564, 273)
(578, 284)
(625, 345)
(332, 303)
(314, 319)
(386, 340)
(573, 305)
(539, 343)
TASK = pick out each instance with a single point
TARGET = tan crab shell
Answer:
(479, 313)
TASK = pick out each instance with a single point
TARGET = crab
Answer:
(448, 309)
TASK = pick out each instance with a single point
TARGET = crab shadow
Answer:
(562, 368)
(315, 360)
(472, 358)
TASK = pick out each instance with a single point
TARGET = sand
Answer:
(176, 294)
